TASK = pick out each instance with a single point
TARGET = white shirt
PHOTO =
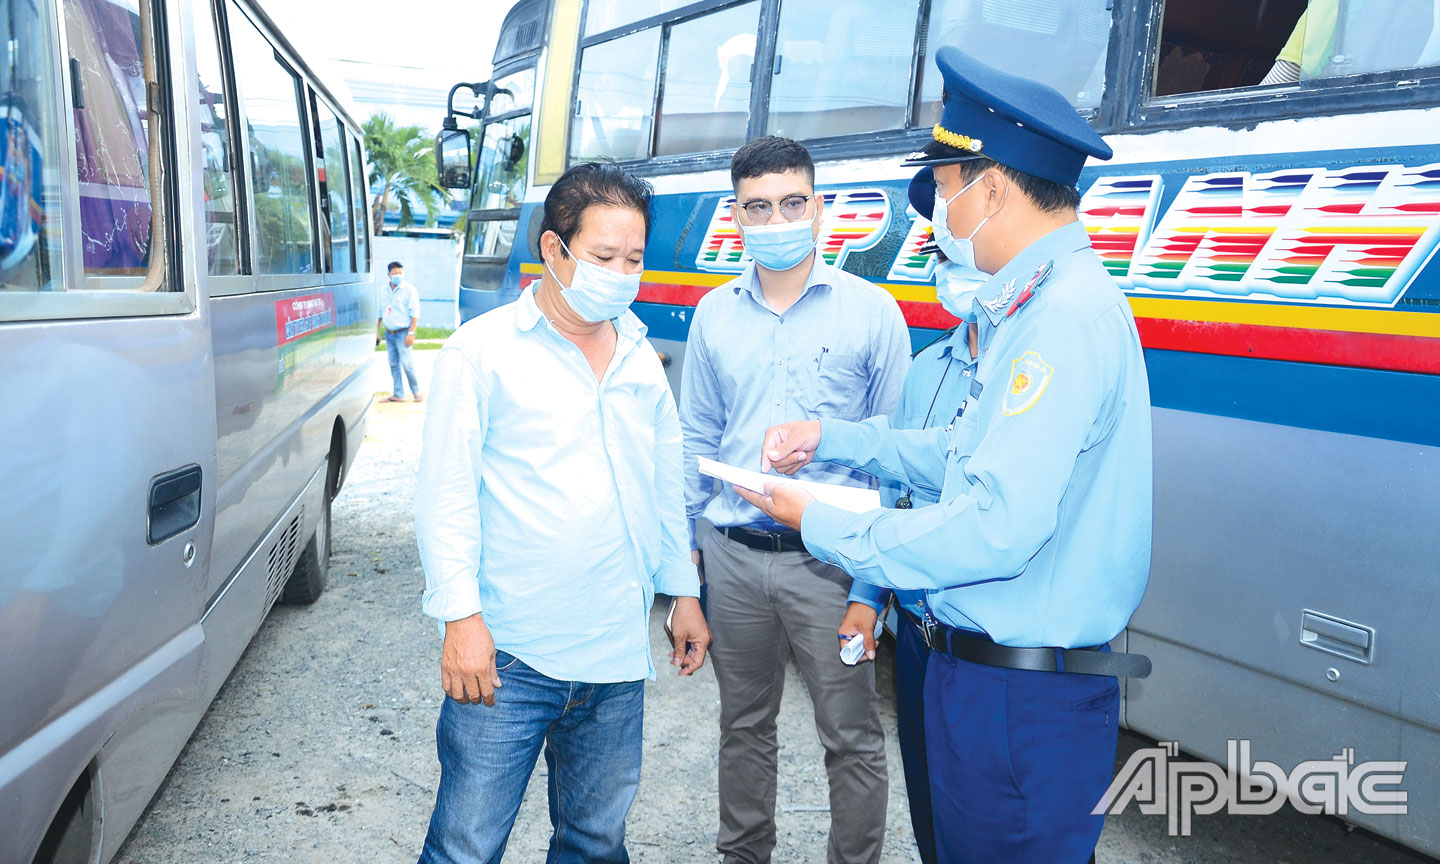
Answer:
(550, 501)
(398, 305)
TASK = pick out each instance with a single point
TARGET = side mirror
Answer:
(453, 157)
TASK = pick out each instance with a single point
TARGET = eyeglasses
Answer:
(792, 207)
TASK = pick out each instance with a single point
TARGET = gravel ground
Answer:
(321, 746)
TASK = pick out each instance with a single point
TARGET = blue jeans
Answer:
(401, 357)
(591, 738)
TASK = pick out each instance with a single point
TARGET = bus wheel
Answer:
(308, 580)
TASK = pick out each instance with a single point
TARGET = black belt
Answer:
(766, 541)
(978, 648)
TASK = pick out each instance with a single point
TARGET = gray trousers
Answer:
(761, 606)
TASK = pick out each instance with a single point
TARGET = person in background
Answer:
(791, 335)
(399, 316)
(549, 513)
(1038, 548)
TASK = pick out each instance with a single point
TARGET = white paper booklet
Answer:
(845, 497)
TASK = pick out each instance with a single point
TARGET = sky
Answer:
(394, 54)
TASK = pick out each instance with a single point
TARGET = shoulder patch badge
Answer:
(1028, 376)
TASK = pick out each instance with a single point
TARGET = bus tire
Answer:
(307, 582)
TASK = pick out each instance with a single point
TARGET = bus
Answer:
(1272, 212)
(187, 317)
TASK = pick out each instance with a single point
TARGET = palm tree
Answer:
(402, 163)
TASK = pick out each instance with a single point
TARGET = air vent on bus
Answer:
(282, 559)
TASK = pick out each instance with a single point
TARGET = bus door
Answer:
(108, 425)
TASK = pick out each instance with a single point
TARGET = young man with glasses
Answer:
(791, 334)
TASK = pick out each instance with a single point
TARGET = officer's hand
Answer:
(409, 340)
(783, 502)
(789, 446)
(860, 618)
(467, 661)
(692, 636)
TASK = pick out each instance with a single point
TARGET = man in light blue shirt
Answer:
(1038, 548)
(791, 335)
(549, 513)
(399, 316)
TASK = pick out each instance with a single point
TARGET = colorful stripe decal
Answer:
(1363, 338)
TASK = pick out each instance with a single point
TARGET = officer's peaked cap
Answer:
(1017, 122)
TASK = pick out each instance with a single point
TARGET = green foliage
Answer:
(402, 162)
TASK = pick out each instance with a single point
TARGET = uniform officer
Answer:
(1038, 549)
(936, 383)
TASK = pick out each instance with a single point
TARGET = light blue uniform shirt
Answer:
(1041, 536)
(398, 305)
(549, 501)
(938, 381)
(840, 351)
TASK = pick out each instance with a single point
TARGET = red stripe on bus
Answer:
(1331, 347)
(1297, 344)
(671, 293)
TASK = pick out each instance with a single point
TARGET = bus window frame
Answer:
(1236, 106)
(475, 215)
(765, 40)
(887, 142)
(304, 83)
(111, 301)
(316, 98)
(1125, 105)
(240, 282)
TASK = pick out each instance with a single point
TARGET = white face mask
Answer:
(597, 293)
(961, 276)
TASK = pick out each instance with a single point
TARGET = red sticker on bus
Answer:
(298, 317)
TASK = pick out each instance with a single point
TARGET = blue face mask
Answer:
(597, 293)
(956, 289)
(395, 281)
(780, 247)
(961, 274)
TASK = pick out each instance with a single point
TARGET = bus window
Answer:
(1208, 46)
(1334, 38)
(514, 92)
(491, 238)
(705, 102)
(603, 15)
(840, 68)
(279, 172)
(117, 145)
(1061, 43)
(31, 238)
(616, 98)
(334, 188)
(216, 168)
(503, 156)
(357, 206)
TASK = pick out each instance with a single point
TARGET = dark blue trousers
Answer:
(911, 657)
(1017, 761)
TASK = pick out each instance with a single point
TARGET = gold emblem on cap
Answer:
(956, 140)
